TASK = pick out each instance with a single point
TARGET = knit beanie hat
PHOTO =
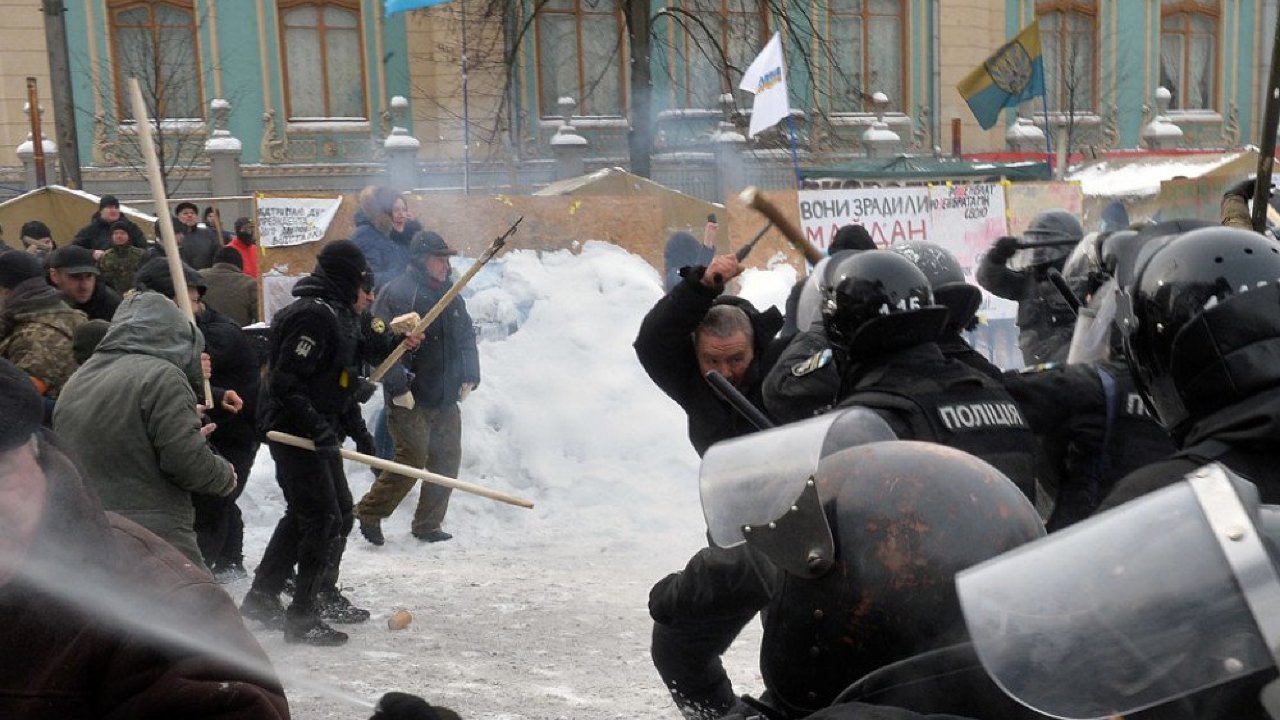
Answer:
(16, 266)
(154, 275)
(21, 409)
(86, 338)
(342, 263)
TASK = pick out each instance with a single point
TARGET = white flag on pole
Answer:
(767, 78)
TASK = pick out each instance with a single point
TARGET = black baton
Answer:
(737, 400)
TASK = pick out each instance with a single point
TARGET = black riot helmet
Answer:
(947, 280)
(1201, 323)
(1123, 252)
(905, 517)
(1049, 238)
(878, 301)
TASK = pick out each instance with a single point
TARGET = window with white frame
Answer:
(712, 43)
(862, 54)
(1068, 44)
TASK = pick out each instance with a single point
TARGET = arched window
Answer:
(1068, 44)
(862, 54)
(324, 60)
(156, 42)
(1189, 52)
(580, 50)
(713, 43)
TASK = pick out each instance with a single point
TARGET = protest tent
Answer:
(64, 210)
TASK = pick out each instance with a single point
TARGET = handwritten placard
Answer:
(284, 221)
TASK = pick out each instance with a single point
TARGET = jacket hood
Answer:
(148, 323)
(317, 285)
(764, 325)
(375, 208)
(33, 294)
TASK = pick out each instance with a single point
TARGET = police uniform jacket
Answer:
(665, 349)
(1244, 437)
(318, 347)
(1045, 321)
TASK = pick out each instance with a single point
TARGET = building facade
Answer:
(309, 84)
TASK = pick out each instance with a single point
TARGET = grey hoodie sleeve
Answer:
(182, 453)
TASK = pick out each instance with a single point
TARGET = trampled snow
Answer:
(531, 613)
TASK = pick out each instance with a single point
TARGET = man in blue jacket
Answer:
(423, 391)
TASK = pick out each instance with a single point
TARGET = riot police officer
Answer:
(1044, 319)
(1202, 331)
(854, 569)
(318, 345)
(882, 319)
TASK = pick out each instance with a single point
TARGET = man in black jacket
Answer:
(695, 329)
(318, 346)
(73, 271)
(197, 245)
(96, 236)
(423, 391)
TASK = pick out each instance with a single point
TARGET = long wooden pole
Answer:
(406, 470)
(443, 302)
(1267, 145)
(37, 138)
(143, 122)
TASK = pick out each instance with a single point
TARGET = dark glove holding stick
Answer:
(1003, 249)
(403, 706)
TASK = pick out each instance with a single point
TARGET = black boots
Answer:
(433, 536)
(333, 606)
(307, 627)
(372, 531)
(263, 607)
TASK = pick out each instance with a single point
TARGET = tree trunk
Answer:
(640, 135)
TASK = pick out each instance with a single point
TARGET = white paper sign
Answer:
(294, 221)
(964, 219)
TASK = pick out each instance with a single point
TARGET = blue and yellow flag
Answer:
(1012, 75)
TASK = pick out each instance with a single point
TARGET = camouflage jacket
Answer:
(119, 265)
(36, 327)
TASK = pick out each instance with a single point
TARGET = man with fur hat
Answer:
(96, 236)
(423, 393)
(130, 415)
(318, 346)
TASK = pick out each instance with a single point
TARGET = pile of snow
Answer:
(1142, 178)
(536, 613)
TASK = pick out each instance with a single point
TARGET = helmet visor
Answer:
(1091, 339)
(1125, 611)
(755, 479)
(809, 306)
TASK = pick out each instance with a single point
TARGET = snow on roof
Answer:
(1143, 177)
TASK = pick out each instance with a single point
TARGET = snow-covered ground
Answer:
(541, 613)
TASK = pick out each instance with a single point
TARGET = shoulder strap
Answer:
(1205, 451)
(1101, 466)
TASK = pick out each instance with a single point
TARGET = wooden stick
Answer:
(443, 302)
(1267, 144)
(165, 220)
(406, 470)
(754, 199)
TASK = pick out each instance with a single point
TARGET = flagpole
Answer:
(795, 155)
(466, 110)
(1048, 130)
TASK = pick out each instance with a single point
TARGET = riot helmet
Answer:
(1122, 252)
(905, 517)
(1200, 325)
(947, 280)
(809, 306)
(878, 301)
(1048, 239)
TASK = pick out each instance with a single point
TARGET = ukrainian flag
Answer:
(1012, 75)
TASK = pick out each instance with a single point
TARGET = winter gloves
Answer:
(1244, 188)
(1003, 249)
(403, 706)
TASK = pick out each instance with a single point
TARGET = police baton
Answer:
(728, 393)
(745, 250)
(1023, 245)
(1059, 282)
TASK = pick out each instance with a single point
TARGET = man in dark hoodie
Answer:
(196, 244)
(318, 345)
(96, 236)
(695, 329)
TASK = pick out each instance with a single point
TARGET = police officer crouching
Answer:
(852, 564)
(318, 345)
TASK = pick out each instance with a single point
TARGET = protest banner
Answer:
(285, 221)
